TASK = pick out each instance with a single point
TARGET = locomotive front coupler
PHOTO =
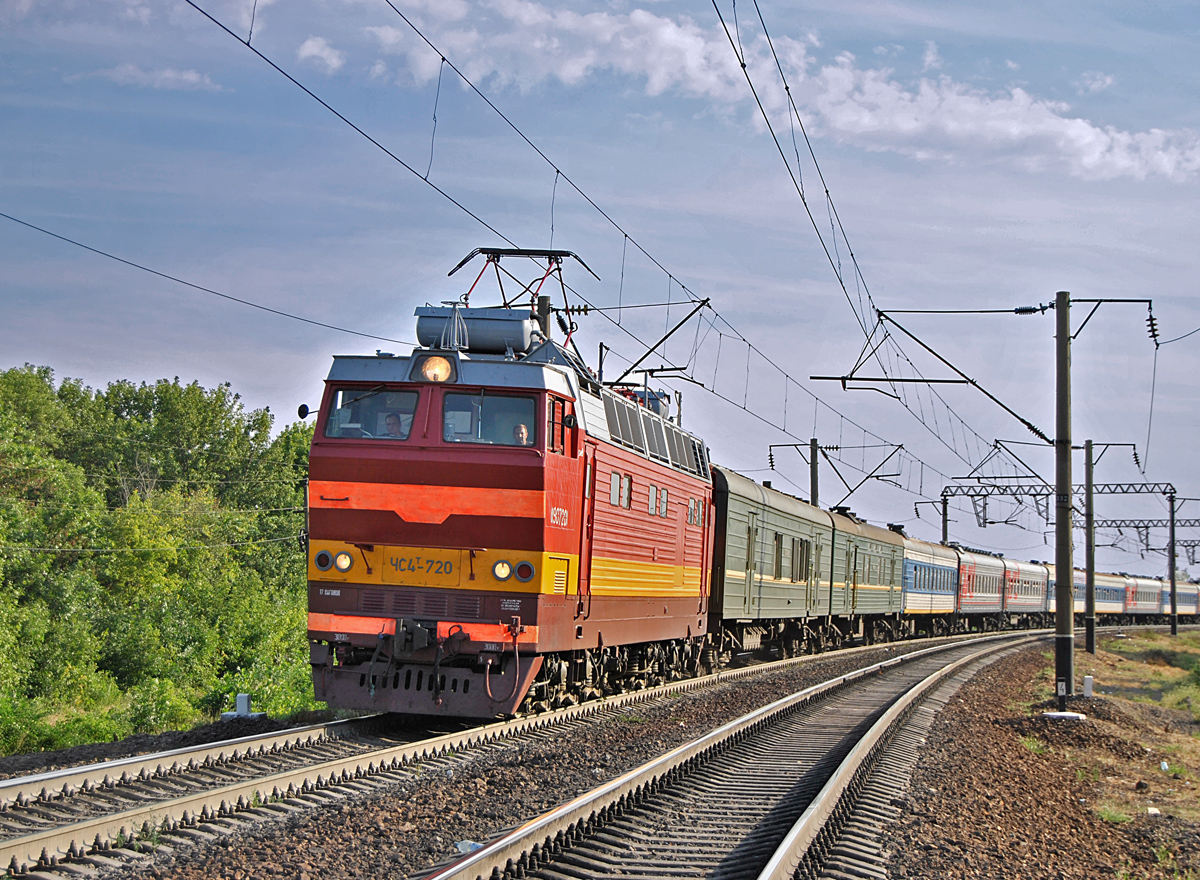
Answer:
(410, 637)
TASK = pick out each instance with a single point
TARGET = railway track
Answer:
(103, 814)
(768, 795)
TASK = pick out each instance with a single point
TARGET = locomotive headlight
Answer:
(343, 561)
(436, 369)
(324, 560)
(524, 572)
(502, 570)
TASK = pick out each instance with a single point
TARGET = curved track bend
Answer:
(110, 810)
(764, 796)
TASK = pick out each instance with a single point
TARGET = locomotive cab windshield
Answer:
(373, 414)
(501, 420)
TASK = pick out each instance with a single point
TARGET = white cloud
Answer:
(931, 60)
(444, 10)
(238, 14)
(15, 10)
(132, 11)
(165, 78)
(1012, 65)
(1092, 81)
(317, 49)
(523, 43)
(378, 69)
(944, 118)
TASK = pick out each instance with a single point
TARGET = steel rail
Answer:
(48, 846)
(43, 786)
(796, 845)
(548, 831)
(48, 784)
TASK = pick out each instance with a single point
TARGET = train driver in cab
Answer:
(394, 427)
(521, 436)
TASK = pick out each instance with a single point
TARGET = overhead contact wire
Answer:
(201, 288)
(417, 174)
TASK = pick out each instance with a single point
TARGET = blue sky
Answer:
(978, 156)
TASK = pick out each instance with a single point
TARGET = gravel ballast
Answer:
(999, 792)
(409, 826)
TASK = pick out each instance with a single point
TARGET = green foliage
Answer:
(1113, 815)
(149, 563)
(1034, 745)
(156, 705)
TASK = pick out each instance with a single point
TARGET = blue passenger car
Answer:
(930, 578)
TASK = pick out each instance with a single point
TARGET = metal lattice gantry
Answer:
(1043, 490)
(1143, 527)
(1146, 524)
(1040, 494)
(1190, 545)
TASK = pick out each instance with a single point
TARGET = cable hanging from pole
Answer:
(477, 218)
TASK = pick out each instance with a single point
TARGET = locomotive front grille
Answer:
(466, 606)
(433, 605)
(416, 603)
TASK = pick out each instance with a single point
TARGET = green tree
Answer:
(150, 564)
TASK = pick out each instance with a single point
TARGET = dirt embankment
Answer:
(1002, 792)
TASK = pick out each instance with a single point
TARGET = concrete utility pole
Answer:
(812, 471)
(1089, 528)
(1064, 549)
(945, 520)
(1171, 568)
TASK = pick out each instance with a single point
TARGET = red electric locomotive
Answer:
(490, 527)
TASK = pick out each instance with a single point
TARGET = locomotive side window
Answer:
(371, 414)
(653, 500)
(627, 491)
(614, 489)
(556, 433)
(491, 419)
(662, 503)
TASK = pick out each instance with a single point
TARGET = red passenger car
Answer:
(489, 526)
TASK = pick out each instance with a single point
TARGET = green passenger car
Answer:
(772, 583)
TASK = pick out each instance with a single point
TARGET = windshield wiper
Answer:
(373, 391)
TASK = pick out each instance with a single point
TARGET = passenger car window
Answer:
(497, 420)
(371, 414)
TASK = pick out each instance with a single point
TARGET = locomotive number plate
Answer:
(422, 568)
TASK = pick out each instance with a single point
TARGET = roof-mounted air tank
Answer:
(483, 331)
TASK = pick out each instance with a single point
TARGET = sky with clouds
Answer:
(978, 157)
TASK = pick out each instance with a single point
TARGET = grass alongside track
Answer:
(1147, 715)
(1150, 667)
